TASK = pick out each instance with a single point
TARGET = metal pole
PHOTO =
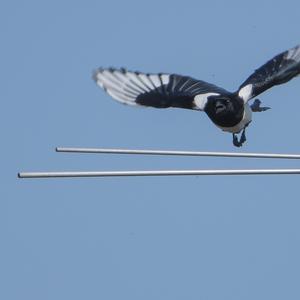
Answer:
(159, 173)
(177, 153)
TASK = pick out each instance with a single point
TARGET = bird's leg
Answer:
(239, 143)
(255, 106)
(243, 137)
(235, 140)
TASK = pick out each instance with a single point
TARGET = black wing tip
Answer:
(94, 74)
(101, 70)
(296, 47)
(123, 70)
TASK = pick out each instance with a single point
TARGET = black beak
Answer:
(220, 107)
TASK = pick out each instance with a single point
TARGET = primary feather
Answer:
(278, 70)
(155, 90)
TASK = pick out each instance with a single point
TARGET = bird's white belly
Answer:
(243, 123)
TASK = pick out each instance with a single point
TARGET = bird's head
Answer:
(225, 110)
(222, 105)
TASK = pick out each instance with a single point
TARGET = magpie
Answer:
(229, 111)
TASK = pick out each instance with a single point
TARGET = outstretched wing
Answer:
(155, 90)
(278, 70)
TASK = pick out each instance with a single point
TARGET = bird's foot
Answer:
(239, 143)
(255, 107)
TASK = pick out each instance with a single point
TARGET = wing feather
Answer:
(155, 90)
(280, 69)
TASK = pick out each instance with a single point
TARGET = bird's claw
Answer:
(239, 143)
(235, 141)
(243, 137)
(255, 107)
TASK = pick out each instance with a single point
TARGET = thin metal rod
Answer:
(177, 153)
(159, 173)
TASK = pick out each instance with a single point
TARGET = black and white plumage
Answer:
(229, 111)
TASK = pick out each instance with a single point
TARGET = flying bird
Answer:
(231, 112)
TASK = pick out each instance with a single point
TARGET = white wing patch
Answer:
(165, 78)
(144, 78)
(246, 92)
(155, 79)
(113, 86)
(126, 86)
(201, 100)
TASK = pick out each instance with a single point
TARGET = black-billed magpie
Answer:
(229, 111)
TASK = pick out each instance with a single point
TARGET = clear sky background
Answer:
(143, 238)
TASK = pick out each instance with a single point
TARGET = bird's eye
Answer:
(224, 101)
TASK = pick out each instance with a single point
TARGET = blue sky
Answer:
(143, 238)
